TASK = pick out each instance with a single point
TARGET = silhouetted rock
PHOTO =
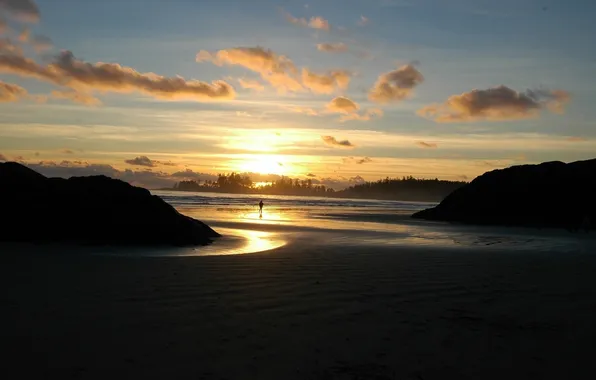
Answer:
(89, 210)
(552, 194)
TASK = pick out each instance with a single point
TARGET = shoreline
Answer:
(347, 198)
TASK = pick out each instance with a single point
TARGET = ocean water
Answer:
(314, 223)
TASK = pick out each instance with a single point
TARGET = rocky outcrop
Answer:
(552, 194)
(89, 210)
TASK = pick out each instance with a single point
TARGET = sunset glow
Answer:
(264, 164)
(385, 88)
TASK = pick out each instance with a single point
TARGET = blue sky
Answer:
(456, 46)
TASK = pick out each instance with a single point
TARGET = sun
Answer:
(264, 164)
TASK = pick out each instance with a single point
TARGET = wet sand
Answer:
(302, 311)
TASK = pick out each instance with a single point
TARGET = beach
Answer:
(353, 295)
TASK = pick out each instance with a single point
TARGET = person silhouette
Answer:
(261, 208)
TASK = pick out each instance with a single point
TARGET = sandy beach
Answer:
(327, 293)
(300, 313)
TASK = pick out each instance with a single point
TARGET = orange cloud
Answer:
(576, 139)
(11, 92)
(278, 70)
(495, 104)
(427, 145)
(25, 10)
(349, 110)
(325, 83)
(396, 85)
(332, 141)
(316, 22)
(339, 47)
(251, 84)
(6, 46)
(366, 116)
(77, 97)
(342, 104)
(305, 110)
(68, 71)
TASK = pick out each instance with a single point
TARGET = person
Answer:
(261, 207)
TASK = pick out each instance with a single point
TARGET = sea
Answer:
(312, 223)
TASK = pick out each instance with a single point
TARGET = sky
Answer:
(338, 91)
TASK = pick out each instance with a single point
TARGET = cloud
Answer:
(67, 169)
(319, 22)
(311, 175)
(340, 182)
(251, 84)
(349, 110)
(576, 139)
(326, 83)
(365, 116)
(11, 92)
(316, 22)
(495, 104)
(3, 157)
(141, 161)
(332, 141)
(339, 47)
(363, 21)
(396, 85)
(41, 43)
(426, 145)
(17, 64)
(77, 97)
(6, 46)
(68, 71)
(358, 161)
(3, 25)
(25, 10)
(192, 175)
(341, 104)
(305, 110)
(357, 180)
(278, 70)
(67, 151)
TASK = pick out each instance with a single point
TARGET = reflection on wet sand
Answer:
(252, 242)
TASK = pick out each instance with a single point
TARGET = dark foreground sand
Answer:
(300, 313)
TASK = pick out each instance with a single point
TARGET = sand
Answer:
(300, 312)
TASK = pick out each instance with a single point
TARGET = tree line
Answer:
(405, 188)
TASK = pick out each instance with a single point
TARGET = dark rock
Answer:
(89, 210)
(552, 194)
